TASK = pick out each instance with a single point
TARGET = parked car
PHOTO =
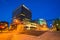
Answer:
(3, 25)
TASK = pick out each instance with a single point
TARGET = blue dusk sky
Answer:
(46, 9)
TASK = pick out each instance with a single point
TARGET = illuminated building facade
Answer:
(22, 13)
(42, 25)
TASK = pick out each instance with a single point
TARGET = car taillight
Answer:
(2, 27)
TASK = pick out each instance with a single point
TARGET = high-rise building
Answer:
(22, 13)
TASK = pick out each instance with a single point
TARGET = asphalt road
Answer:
(18, 36)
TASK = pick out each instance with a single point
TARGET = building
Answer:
(21, 13)
(42, 21)
(42, 25)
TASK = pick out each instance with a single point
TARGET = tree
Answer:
(56, 22)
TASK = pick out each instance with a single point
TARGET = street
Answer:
(18, 36)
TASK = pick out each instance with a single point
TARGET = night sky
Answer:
(47, 9)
